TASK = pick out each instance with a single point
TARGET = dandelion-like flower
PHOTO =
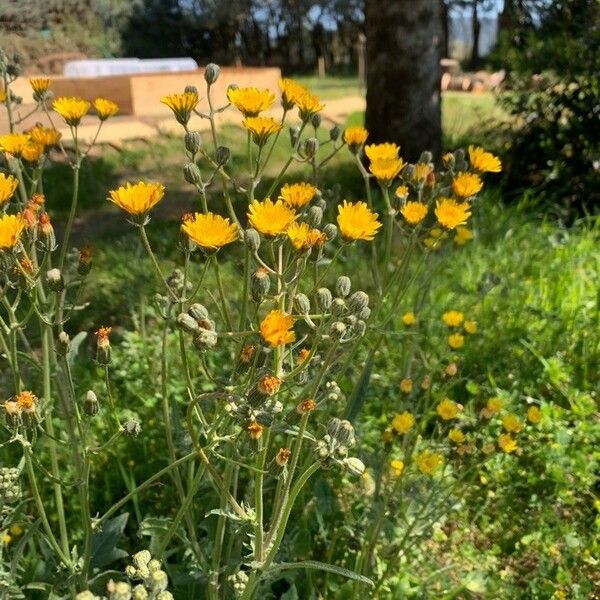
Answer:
(406, 386)
(270, 218)
(462, 235)
(355, 138)
(291, 91)
(308, 105)
(414, 212)
(409, 318)
(453, 318)
(450, 214)
(386, 169)
(456, 436)
(507, 443)
(303, 237)
(8, 185)
(250, 101)
(512, 423)
(484, 161)
(261, 128)
(47, 136)
(182, 105)
(11, 228)
(137, 198)
(466, 185)
(105, 108)
(13, 143)
(403, 422)
(297, 195)
(210, 231)
(32, 151)
(40, 86)
(71, 109)
(534, 415)
(356, 221)
(277, 329)
(470, 327)
(421, 171)
(26, 402)
(397, 466)
(447, 409)
(382, 151)
(456, 341)
(429, 462)
(401, 192)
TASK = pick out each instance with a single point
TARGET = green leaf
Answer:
(320, 566)
(104, 543)
(75, 345)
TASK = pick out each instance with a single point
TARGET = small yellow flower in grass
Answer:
(406, 385)
(466, 185)
(11, 228)
(182, 105)
(403, 422)
(414, 212)
(456, 436)
(450, 214)
(47, 136)
(291, 91)
(137, 198)
(397, 466)
(303, 237)
(421, 171)
(261, 128)
(8, 185)
(32, 151)
(512, 423)
(277, 329)
(297, 195)
(470, 327)
(534, 415)
(401, 192)
(356, 221)
(6, 538)
(40, 86)
(105, 108)
(429, 462)
(507, 443)
(463, 235)
(409, 318)
(453, 318)
(210, 231)
(308, 105)
(483, 161)
(456, 341)
(379, 151)
(13, 143)
(386, 169)
(494, 405)
(250, 101)
(355, 138)
(270, 218)
(72, 110)
(448, 409)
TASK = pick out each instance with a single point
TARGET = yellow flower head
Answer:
(210, 231)
(470, 326)
(380, 151)
(409, 318)
(277, 329)
(8, 185)
(355, 138)
(250, 101)
(448, 409)
(308, 105)
(403, 422)
(297, 195)
(182, 105)
(466, 185)
(406, 385)
(291, 91)
(40, 86)
(13, 143)
(401, 192)
(456, 436)
(261, 128)
(72, 110)
(386, 169)
(456, 341)
(462, 236)
(453, 318)
(11, 228)
(507, 443)
(421, 171)
(512, 423)
(414, 212)
(450, 214)
(429, 462)
(32, 151)
(47, 136)
(105, 108)
(397, 466)
(26, 401)
(483, 161)
(137, 198)
(303, 237)
(356, 221)
(270, 218)
(494, 405)
(534, 415)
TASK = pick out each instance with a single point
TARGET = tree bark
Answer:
(476, 27)
(403, 74)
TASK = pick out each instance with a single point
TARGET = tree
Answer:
(403, 74)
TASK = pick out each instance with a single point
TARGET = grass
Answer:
(332, 87)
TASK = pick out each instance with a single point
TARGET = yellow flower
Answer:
(308, 105)
(182, 105)
(6, 538)
(456, 436)
(291, 91)
(32, 151)
(105, 108)
(456, 341)
(276, 329)
(303, 237)
(8, 185)
(403, 422)
(414, 212)
(139, 198)
(483, 161)
(507, 443)
(72, 110)
(3, 95)
(209, 230)
(250, 101)
(462, 236)
(470, 326)
(494, 405)
(466, 185)
(261, 128)
(47, 136)
(409, 318)
(26, 401)
(40, 86)
(397, 467)
(270, 218)
(11, 228)
(421, 171)
(356, 221)
(401, 191)
(379, 151)
(406, 385)
(534, 415)
(355, 137)
(450, 214)
(297, 195)
(429, 462)
(512, 423)
(385, 169)
(447, 409)
(13, 143)
(453, 318)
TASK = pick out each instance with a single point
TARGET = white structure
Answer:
(97, 67)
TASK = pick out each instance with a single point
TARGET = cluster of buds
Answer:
(334, 446)
(10, 489)
(238, 581)
(21, 410)
(12, 67)
(178, 285)
(197, 322)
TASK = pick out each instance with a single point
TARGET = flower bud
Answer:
(302, 303)
(358, 301)
(118, 590)
(165, 595)
(85, 261)
(294, 135)
(310, 147)
(199, 313)
(187, 323)
(191, 173)
(331, 231)
(316, 120)
(355, 466)
(63, 343)
(361, 327)
(55, 280)
(222, 155)
(364, 314)
(132, 428)
(426, 157)
(279, 463)
(193, 141)
(334, 133)
(338, 307)
(323, 298)
(315, 216)
(252, 239)
(260, 283)
(86, 595)
(103, 352)
(205, 340)
(139, 592)
(141, 559)
(190, 89)
(153, 565)
(159, 581)
(341, 430)
(343, 285)
(338, 329)
(211, 73)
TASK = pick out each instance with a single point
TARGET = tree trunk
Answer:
(476, 28)
(445, 13)
(403, 74)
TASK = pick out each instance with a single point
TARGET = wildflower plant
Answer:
(263, 421)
